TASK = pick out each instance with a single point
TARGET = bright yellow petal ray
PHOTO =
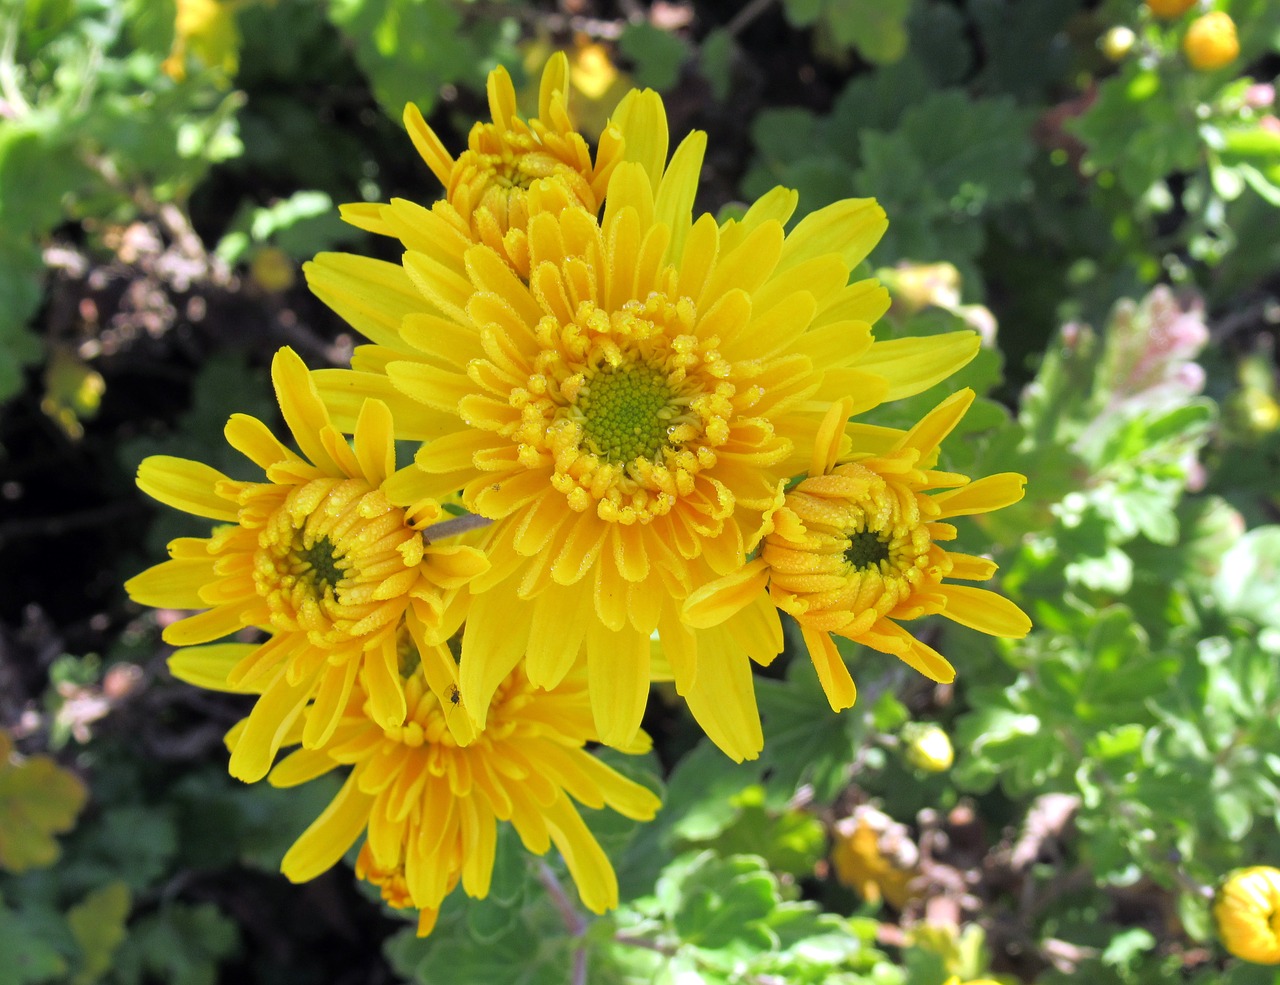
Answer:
(185, 485)
(912, 365)
(712, 604)
(984, 611)
(327, 839)
(833, 674)
(991, 492)
(209, 666)
(172, 584)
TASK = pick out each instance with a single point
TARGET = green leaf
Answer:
(38, 799)
(657, 54)
(715, 62)
(98, 924)
(179, 945)
(1248, 582)
(28, 958)
(875, 28)
(720, 901)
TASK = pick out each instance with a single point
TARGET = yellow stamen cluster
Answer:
(628, 405)
(336, 560)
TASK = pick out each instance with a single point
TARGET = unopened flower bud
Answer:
(1211, 42)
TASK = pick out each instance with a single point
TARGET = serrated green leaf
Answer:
(98, 924)
(180, 945)
(38, 799)
(657, 54)
(28, 958)
(715, 61)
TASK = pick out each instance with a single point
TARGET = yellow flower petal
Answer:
(329, 836)
(187, 486)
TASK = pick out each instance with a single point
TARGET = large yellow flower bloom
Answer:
(628, 411)
(1247, 910)
(856, 547)
(317, 555)
(430, 804)
(487, 187)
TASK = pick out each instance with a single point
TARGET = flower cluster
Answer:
(633, 428)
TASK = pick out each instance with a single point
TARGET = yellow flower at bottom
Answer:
(431, 806)
(317, 555)
(856, 547)
(1247, 910)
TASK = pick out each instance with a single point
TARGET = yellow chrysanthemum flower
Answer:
(488, 186)
(317, 555)
(1247, 910)
(856, 547)
(628, 411)
(430, 806)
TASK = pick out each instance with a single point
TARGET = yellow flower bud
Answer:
(927, 747)
(1211, 41)
(1169, 9)
(1117, 43)
(1247, 909)
(272, 270)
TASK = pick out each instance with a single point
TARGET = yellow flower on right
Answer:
(1247, 910)
(856, 547)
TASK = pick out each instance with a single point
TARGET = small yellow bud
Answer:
(1117, 43)
(1247, 910)
(1169, 9)
(927, 747)
(272, 270)
(1211, 42)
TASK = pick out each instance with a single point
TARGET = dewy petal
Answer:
(714, 603)
(642, 119)
(832, 671)
(722, 697)
(438, 159)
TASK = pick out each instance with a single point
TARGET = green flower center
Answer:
(866, 550)
(320, 564)
(626, 412)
